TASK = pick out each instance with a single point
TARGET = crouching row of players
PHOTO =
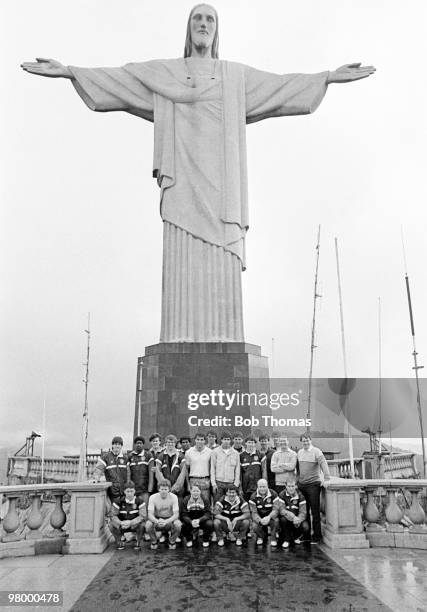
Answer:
(280, 517)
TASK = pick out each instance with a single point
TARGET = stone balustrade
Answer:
(399, 465)
(341, 467)
(363, 513)
(26, 470)
(59, 518)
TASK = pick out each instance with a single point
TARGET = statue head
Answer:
(202, 30)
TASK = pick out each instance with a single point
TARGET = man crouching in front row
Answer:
(231, 514)
(163, 515)
(292, 516)
(127, 518)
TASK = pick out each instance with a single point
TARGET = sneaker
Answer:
(249, 534)
(285, 544)
(273, 543)
(162, 539)
(214, 538)
(259, 541)
(189, 544)
(206, 544)
(137, 547)
(153, 546)
(172, 546)
(220, 542)
(316, 540)
(239, 542)
(298, 541)
(121, 546)
(178, 540)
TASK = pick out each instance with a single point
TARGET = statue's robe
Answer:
(200, 109)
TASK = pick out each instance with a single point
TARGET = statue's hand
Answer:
(48, 68)
(350, 72)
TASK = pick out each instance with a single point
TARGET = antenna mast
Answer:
(379, 378)
(83, 471)
(415, 367)
(350, 439)
(313, 329)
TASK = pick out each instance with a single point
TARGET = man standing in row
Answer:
(225, 467)
(283, 464)
(198, 463)
(140, 462)
(311, 462)
(113, 465)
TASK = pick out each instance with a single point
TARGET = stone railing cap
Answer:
(56, 486)
(349, 483)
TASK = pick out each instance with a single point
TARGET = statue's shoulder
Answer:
(164, 65)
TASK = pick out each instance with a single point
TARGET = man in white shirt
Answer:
(163, 515)
(198, 464)
(283, 464)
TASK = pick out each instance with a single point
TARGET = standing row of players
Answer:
(175, 486)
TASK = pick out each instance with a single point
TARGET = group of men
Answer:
(229, 490)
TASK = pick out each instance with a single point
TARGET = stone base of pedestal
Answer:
(12, 537)
(394, 528)
(345, 540)
(79, 546)
(34, 534)
(409, 539)
(381, 539)
(31, 547)
(405, 539)
(374, 528)
(169, 372)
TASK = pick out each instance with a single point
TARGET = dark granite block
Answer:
(169, 372)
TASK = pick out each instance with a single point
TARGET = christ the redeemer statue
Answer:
(200, 106)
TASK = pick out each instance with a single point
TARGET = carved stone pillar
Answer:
(11, 521)
(35, 519)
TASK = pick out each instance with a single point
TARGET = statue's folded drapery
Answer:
(200, 109)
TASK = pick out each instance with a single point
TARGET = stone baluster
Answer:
(58, 516)
(416, 512)
(35, 518)
(371, 513)
(11, 522)
(393, 513)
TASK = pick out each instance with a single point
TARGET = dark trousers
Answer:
(221, 528)
(188, 531)
(262, 530)
(290, 533)
(117, 532)
(311, 493)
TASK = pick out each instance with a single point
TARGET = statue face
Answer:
(203, 26)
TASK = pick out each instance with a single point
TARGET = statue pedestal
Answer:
(169, 372)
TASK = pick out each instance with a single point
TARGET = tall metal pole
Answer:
(83, 466)
(273, 364)
(379, 378)
(44, 433)
(313, 329)
(416, 366)
(344, 355)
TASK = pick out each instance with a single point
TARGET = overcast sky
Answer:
(80, 225)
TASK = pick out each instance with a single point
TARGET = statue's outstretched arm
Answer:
(350, 72)
(274, 95)
(48, 68)
(101, 89)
